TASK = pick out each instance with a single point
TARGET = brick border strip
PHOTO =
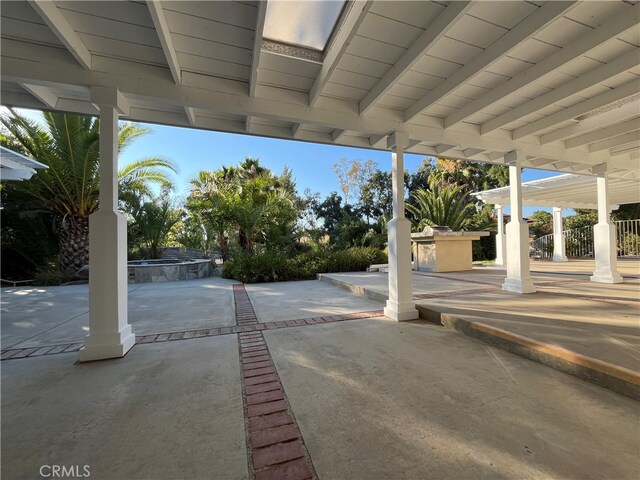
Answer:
(275, 446)
(245, 327)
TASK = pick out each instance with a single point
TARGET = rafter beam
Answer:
(594, 77)
(434, 32)
(618, 141)
(623, 21)
(443, 148)
(629, 110)
(623, 150)
(57, 22)
(510, 40)
(604, 133)
(619, 93)
(191, 115)
(337, 134)
(347, 29)
(211, 96)
(44, 94)
(162, 28)
(261, 12)
(377, 140)
(296, 129)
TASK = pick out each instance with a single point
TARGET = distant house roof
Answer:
(14, 166)
(566, 191)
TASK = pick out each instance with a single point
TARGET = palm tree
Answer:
(441, 206)
(152, 223)
(69, 188)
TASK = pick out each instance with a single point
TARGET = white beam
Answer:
(624, 112)
(44, 94)
(211, 96)
(625, 139)
(247, 123)
(619, 23)
(191, 115)
(524, 30)
(261, 12)
(57, 22)
(347, 29)
(434, 32)
(615, 151)
(376, 140)
(595, 76)
(162, 29)
(296, 129)
(604, 133)
(337, 134)
(443, 148)
(619, 93)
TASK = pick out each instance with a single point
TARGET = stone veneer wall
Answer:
(172, 272)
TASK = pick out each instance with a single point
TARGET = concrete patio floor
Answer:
(372, 398)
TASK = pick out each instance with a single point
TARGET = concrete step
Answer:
(610, 376)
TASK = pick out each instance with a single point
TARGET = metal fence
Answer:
(579, 241)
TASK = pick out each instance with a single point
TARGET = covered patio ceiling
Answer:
(558, 81)
(565, 191)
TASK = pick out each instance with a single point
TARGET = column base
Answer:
(606, 278)
(557, 258)
(518, 286)
(109, 345)
(401, 312)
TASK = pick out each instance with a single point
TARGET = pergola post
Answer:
(501, 239)
(604, 238)
(400, 305)
(518, 275)
(559, 247)
(110, 334)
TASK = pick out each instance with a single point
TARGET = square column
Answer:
(501, 238)
(518, 275)
(604, 238)
(110, 334)
(559, 249)
(400, 305)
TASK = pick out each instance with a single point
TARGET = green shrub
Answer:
(276, 266)
(630, 245)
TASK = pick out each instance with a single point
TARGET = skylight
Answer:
(305, 23)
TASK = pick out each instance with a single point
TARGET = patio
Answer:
(370, 397)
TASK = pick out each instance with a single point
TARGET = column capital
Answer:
(110, 97)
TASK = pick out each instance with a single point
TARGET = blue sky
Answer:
(311, 163)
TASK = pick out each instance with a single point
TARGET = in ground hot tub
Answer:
(148, 271)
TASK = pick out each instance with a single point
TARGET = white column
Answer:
(604, 238)
(110, 334)
(559, 250)
(518, 275)
(400, 305)
(501, 238)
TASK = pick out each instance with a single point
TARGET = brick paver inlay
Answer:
(274, 442)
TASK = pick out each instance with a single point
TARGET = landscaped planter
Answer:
(151, 271)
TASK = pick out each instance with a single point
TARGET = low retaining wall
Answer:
(155, 271)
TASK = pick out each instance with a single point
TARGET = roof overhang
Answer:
(565, 191)
(14, 166)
